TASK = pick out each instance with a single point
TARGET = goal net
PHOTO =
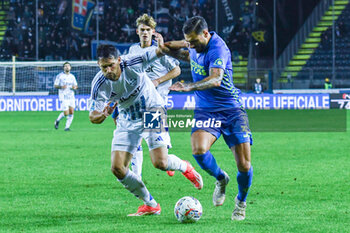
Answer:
(39, 77)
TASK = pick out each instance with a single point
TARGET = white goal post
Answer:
(37, 78)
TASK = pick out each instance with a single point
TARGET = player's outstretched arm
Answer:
(213, 80)
(97, 117)
(173, 48)
(170, 75)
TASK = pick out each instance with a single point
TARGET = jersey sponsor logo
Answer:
(150, 69)
(112, 94)
(218, 62)
(134, 93)
(198, 69)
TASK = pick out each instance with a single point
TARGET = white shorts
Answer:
(166, 138)
(127, 137)
(65, 104)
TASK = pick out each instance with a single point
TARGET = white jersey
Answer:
(158, 68)
(69, 80)
(134, 92)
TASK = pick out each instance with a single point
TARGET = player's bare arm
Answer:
(213, 80)
(183, 55)
(173, 48)
(60, 87)
(170, 75)
(97, 117)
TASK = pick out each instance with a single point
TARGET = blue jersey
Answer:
(215, 55)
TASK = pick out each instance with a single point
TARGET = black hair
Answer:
(107, 51)
(66, 63)
(195, 24)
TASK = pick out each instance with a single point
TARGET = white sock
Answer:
(69, 120)
(135, 185)
(136, 161)
(60, 116)
(176, 164)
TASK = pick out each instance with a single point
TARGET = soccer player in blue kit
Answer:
(216, 97)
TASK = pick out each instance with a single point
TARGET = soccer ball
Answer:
(188, 210)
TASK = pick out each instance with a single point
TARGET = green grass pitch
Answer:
(57, 181)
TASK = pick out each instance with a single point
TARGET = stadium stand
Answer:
(322, 58)
(58, 41)
(5, 14)
(117, 19)
(313, 62)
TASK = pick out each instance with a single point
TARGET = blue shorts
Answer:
(234, 125)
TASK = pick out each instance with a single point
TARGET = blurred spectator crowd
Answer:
(326, 37)
(238, 40)
(59, 41)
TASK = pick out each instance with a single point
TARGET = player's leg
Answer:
(158, 145)
(245, 170)
(161, 160)
(238, 137)
(170, 172)
(125, 140)
(62, 114)
(137, 160)
(169, 146)
(71, 106)
(69, 118)
(132, 182)
(165, 162)
(202, 141)
(244, 178)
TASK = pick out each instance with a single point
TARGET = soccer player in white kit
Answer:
(161, 72)
(122, 80)
(66, 83)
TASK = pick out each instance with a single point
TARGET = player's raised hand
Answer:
(179, 86)
(160, 41)
(159, 38)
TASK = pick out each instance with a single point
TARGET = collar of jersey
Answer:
(212, 38)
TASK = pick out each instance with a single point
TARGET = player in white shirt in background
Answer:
(123, 80)
(66, 83)
(161, 72)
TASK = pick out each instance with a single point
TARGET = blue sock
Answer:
(244, 180)
(208, 163)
